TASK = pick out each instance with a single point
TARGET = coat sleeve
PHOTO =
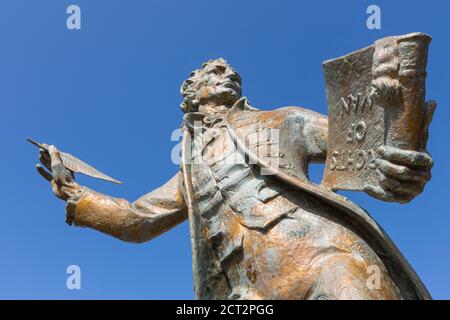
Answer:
(149, 216)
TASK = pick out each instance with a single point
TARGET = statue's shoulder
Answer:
(279, 137)
(242, 115)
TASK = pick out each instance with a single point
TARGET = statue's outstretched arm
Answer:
(142, 220)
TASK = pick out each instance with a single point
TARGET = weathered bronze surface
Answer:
(259, 228)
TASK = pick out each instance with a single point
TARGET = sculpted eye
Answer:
(218, 70)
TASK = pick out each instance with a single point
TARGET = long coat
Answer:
(240, 121)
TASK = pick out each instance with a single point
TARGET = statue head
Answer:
(215, 84)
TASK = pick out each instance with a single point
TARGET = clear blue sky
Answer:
(108, 93)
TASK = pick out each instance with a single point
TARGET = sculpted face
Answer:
(216, 84)
(219, 84)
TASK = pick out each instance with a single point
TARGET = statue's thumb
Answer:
(58, 169)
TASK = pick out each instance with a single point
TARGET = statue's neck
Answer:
(213, 109)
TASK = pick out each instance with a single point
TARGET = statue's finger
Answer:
(406, 157)
(402, 173)
(59, 172)
(388, 183)
(44, 152)
(44, 173)
(386, 195)
(44, 158)
(400, 189)
(379, 193)
(56, 189)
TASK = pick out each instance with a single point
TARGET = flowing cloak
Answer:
(400, 271)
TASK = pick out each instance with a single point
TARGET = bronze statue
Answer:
(259, 228)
